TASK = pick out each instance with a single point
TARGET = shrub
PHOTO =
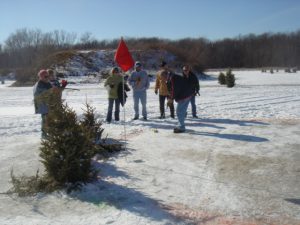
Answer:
(25, 77)
(230, 79)
(67, 150)
(287, 70)
(222, 79)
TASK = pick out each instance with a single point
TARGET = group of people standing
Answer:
(168, 85)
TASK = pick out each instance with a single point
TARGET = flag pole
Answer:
(125, 61)
(124, 112)
(124, 109)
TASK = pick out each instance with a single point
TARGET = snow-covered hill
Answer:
(84, 63)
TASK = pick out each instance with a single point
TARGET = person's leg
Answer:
(162, 106)
(136, 104)
(193, 104)
(143, 97)
(44, 124)
(109, 110)
(181, 111)
(172, 110)
(117, 109)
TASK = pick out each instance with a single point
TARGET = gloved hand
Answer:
(170, 102)
(64, 83)
(156, 92)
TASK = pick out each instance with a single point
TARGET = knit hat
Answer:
(42, 73)
(114, 70)
(137, 64)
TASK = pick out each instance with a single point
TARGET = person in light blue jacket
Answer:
(139, 82)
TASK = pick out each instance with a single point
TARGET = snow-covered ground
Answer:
(239, 163)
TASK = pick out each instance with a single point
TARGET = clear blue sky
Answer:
(172, 19)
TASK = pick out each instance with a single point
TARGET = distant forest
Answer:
(26, 49)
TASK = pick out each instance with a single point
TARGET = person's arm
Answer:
(131, 80)
(197, 86)
(170, 85)
(156, 83)
(109, 82)
(106, 82)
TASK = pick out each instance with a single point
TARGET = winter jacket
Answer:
(161, 83)
(41, 91)
(122, 96)
(112, 82)
(139, 81)
(182, 87)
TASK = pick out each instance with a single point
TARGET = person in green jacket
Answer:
(112, 83)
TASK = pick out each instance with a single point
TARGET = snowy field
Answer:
(239, 163)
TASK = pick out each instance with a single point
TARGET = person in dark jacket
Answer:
(41, 91)
(182, 89)
(196, 91)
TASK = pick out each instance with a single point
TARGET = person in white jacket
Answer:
(139, 82)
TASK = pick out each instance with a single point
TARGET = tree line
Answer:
(26, 48)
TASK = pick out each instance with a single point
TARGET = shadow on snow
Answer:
(106, 193)
(170, 124)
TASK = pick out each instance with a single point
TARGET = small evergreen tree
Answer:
(67, 151)
(222, 79)
(230, 79)
(92, 125)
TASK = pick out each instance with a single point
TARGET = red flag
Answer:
(123, 57)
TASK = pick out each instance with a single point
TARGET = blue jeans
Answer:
(193, 104)
(181, 112)
(111, 102)
(139, 96)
